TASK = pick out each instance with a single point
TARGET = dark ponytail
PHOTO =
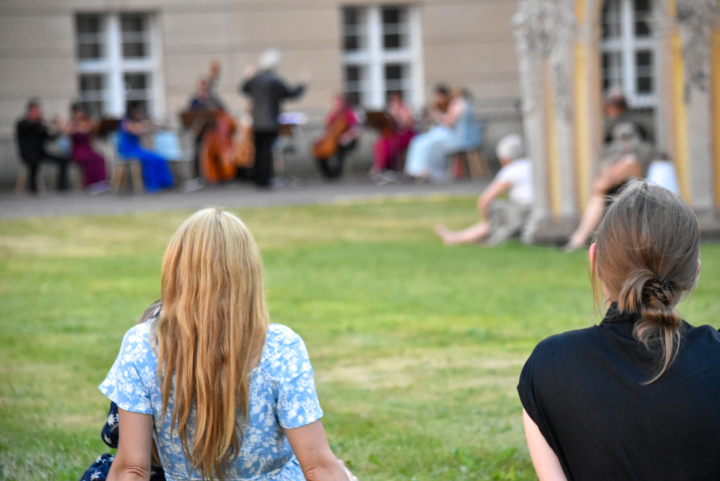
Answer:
(647, 249)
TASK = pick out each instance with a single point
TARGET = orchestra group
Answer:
(225, 146)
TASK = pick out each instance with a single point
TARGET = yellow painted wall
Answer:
(553, 158)
(715, 78)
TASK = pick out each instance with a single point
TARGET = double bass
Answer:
(221, 154)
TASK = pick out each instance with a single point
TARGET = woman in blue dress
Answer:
(221, 391)
(155, 170)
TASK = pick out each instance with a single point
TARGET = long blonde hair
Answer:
(646, 256)
(210, 333)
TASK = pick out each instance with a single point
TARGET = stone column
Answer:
(545, 32)
(695, 19)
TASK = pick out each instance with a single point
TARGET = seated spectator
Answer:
(155, 170)
(616, 112)
(426, 157)
(32, 134)
(626, 157)
(634, 397)
(392, 143)
(81, 130)
(110, 434)
(260, 415)
(342, 130)
(501, 219)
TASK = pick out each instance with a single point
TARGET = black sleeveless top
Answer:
(584, 390)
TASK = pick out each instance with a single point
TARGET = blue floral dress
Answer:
(282, 396)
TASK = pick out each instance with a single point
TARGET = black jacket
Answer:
(267, 91)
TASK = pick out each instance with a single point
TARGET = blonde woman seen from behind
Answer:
(225, 394)
(635, 397)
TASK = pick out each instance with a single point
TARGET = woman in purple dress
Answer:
(92, 164)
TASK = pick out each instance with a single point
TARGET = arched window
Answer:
(626, 46)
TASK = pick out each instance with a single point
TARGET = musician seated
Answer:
(32, 133)
(342, 130)
(426, 158)
(393, 141)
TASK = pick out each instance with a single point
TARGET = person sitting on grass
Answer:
(223, 393)
(501, 219)
(110, 434)
(635, 397)
(626, 157)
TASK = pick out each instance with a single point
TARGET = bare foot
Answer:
(446, 235)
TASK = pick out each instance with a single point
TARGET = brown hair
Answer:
(210, 334)
(646, 257)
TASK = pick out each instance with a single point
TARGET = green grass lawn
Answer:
(416, 347)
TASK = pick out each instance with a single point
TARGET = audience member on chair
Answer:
(155, 170)
(32, 133)
(427, 153)
(501, 219)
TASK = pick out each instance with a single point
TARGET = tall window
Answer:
(627, 50)
(381, 53)
(117, 62)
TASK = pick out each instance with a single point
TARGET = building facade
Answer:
(107, 53)
(665, 55)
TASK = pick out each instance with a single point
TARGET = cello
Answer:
(328, 144)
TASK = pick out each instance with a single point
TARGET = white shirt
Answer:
(519, 174)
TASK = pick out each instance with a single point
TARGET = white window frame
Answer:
(374, 57)
(113, 66)
(627, 45)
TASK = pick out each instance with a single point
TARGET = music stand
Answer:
(107, 125)
(380, 121)
(196, 118)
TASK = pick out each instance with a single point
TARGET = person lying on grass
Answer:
(501, 219)
(635, 397)
(223, 393)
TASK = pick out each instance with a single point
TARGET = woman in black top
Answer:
(637, 397)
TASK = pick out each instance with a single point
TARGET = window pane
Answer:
(395, 28)
(397, 78)
(355, 83)
(138, 90)
(642, 6)
(642, 28)
(135, 36)
(87, 23)
(612, 74)
(134, 50)
(643, 58)
(644, 85)
(89, 36)
(92, 93)
(92, 83)
(132, 23)
(611, 20)
(354, 29)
